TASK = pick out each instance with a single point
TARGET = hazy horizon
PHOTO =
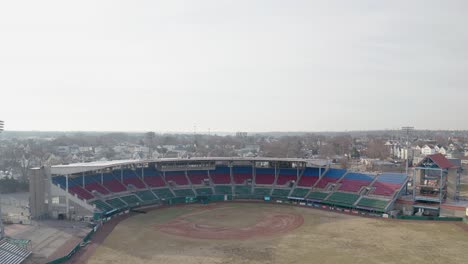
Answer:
(231, 132)
(258, 65)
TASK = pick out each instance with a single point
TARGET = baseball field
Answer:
(269, 233)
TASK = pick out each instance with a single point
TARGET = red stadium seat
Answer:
(267, 179)
(94, 186)
(283, 179)
(154, 181)
(114, 186)
(135, 182)
(179, 179)
(80, 192)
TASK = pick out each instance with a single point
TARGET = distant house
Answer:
(442, 150)
(454, 154)
(427, 150)
(63, 150)
(86, 149)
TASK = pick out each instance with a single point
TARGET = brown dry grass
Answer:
(325, 237)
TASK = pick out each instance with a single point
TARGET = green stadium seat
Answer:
(131, 200)
(242, 190)
(299, 192)
(146, 195)
(342, 199)
(262, 191)
(281, 193)
(116, 203)
(377, 204)
(317, 195)
(184, 192)
(223, 189)
(204, 191)
(102, 205)
(164, 193)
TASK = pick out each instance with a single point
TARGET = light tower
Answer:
(407, 130)
(2, 229)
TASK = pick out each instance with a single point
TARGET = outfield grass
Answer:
(324, 237)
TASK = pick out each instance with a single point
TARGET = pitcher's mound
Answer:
(225, 223)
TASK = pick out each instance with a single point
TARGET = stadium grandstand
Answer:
(98, 189)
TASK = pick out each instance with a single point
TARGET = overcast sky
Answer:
(233, 65)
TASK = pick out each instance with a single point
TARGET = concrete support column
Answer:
(66, 197)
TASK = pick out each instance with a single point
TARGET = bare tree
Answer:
(376, 149)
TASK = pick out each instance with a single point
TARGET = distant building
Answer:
(427, 150)
(241, 134)
(63, 150)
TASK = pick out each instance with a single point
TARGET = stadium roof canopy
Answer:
(68, 169)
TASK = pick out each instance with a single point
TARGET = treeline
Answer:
(10, 185)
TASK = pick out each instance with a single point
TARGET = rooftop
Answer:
(98, 165)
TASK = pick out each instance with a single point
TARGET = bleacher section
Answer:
(378, 205)
(102, 205)
(74, 187)
(153, 178)
(59, 181)
(80, 192)
(184, 192)
(310, 177)
(221, 175)
(131, 200)
(317, 196)
(262, 191)
(131, 177)
(331, 176)
(241, 174)
(112, 183)
(299, 192)
(223, 189)
(94, 186)
(280, 192)
(146, 196)
(286, 175)
(242, 190)
(388, 183)
(204, 191)
(264, 176)
(353, 181)
(342, 199)
(164, 193)
(11, 253)
(197, 177)
(116, 203)
(178, 177)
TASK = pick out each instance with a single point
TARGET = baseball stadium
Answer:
(253, 210)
